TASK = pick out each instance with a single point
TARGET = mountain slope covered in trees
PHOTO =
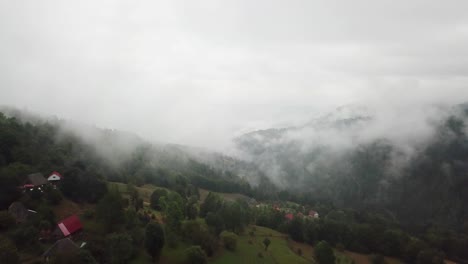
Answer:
(333, 159)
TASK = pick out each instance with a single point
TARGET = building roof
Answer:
(70, 225)
(56, 173)
(62, 245)
(37, 179)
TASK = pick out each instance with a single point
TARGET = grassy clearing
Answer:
(344, 257)
(249, 248)
(225, 196)
(145, 191)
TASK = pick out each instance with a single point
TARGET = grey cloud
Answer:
(202, 72)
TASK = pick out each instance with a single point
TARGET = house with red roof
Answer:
(289, 216)
(313, 214)
(69, 226)
(55, 177)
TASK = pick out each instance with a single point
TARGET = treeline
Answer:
(45, 147)
(368, 233)
(422, 183)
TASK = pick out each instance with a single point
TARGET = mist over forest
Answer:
(336, 125)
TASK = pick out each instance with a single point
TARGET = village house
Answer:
(289, 217)
(313, 214)
(54, 177)
(62, 246)
(68, 227)
(19, 212)
(35, 181)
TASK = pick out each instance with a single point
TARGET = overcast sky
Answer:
(199, 72)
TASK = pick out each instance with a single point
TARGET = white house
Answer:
(55, 177)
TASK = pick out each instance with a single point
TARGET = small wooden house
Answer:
(54, 177)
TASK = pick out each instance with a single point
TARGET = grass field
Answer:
(225, 196)
(248, 249)
(145, 191)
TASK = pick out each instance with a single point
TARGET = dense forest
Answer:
(419, 183)
(419, 217)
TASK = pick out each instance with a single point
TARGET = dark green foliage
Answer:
(235, 216)
(110, 211)
(53, 196)
(296, 229)
(8, 251)
(266, 242)
(215, 222)
(377, 259)
(173, 206)
(80, 185)
(9, 182)
(412, 250)
(154, 239)
(25, 235)
(75, 257)
(196, 232)
(6, 220)
(195, 255)
(229, 240)
(213, 203)
(430, 256)
(119, 248)
(324, 253)
(155, 196)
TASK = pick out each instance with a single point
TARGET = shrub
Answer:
(324, 253)
(266, 242)
(260, 255)
(8, 251)
(88, 214)
(229, 240)
(299, 252)
(196, 255)
(340, 247)
(377, 259)
(6, 220)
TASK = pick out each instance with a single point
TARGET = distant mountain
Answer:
(347, 158)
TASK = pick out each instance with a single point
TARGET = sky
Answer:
(202, 72)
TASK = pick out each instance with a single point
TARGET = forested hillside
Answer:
(416, 215)
(333, 159)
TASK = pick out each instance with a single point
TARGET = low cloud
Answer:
(202, 73)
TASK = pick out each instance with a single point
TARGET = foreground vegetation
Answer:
(143, 209)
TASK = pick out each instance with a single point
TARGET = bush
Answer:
(88, 214)
(155, 196)
(324, 253)
(54, 196)
(377, 259)
(8, 251)
(432, 256)
(229, 240)
(196, 255)
(299, 252)
(266, 242)
(260, 255)
(6, 220)
(340, 247)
